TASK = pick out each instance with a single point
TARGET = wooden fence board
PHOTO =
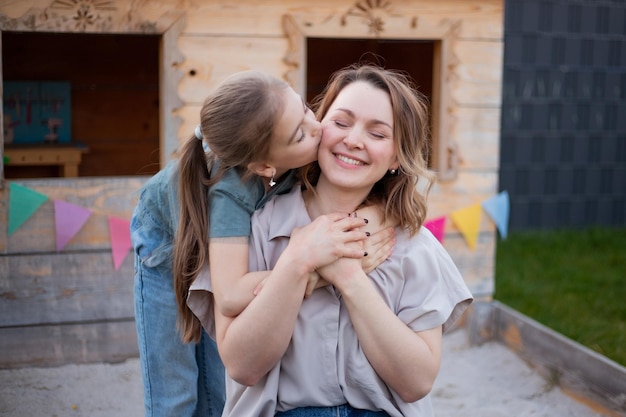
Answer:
(66, 287)
(90, 342)
(590, 377)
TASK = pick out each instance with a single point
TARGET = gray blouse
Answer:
(324, 364)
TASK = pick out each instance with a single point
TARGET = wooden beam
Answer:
(580, 372)
(75, 343)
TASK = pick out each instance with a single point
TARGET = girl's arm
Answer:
(407, 361)
(253, 342)
(228, 260)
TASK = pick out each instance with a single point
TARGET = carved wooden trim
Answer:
(81, 16)
(378, 20)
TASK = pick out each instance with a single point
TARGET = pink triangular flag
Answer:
(119, 230)
(69, 219)
(437, 227)
(468, 222)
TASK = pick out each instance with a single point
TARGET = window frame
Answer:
(300, 27)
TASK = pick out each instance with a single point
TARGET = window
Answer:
(114, 103)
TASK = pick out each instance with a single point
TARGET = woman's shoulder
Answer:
(280, 215)
(422, 252)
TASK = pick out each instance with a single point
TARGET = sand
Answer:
(475, 381)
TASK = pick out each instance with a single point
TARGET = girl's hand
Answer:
(315, 282)
(378, 247)
(381, 240)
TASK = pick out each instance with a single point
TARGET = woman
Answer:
(365, 345)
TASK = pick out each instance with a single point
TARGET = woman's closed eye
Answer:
(378, 135)
(341, 124)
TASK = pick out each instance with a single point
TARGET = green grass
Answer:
(573, 281)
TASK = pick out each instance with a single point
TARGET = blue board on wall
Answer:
(37, 112)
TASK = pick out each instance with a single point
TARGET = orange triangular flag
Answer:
(468, 222)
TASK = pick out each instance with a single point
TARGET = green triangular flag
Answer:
(23, 203)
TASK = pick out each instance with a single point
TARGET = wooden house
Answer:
(139, 72)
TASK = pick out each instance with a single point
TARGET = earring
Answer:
(392, 171)
(272, 182)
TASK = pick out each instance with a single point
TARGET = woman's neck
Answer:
(330, 199)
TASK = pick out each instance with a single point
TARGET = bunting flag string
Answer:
(70, 219)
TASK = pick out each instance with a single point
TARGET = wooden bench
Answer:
(68, 157)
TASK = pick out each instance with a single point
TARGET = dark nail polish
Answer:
(368, 234)
(364, 253)
(366, 221)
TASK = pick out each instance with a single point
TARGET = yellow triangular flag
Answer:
(468, 222)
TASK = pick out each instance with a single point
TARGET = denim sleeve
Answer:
(151, 235)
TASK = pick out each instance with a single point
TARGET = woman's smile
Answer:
(349, 161)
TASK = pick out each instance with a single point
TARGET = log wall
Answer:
(73, 306)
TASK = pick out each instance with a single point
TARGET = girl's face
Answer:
(358, 145)
(296, 136)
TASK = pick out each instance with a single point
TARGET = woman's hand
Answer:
(343, 269)
(326, 239)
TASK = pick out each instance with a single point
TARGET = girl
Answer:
(258, 130)
(365, 345)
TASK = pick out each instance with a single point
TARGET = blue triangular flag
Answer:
(498, 209)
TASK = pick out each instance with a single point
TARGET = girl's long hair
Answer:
(237, 122)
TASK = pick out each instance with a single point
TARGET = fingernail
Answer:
(364, 253)
(368, 234)
(366, 221)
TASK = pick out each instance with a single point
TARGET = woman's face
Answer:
(296, 136)
(357, 147)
